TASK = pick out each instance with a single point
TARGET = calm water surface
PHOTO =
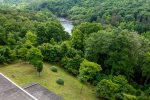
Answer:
(68, 25)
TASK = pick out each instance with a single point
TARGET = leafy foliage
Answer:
(34, 55)
(106, 38)
(81, 32)
(60, 81)
(116, 51)
(47, 31)
(133, 15)
(54, 68)
(51, 53)
(72, 65)
(30, 37)
(39, 66)
(36, 26)
(6, 54)
(146, 67)
(116, 88)
(106, 89)
(88, 71)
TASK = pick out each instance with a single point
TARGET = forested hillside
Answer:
(130, 14)
(109, 47)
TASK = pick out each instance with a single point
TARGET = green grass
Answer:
(26, 74)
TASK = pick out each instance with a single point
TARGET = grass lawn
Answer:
(26, 74)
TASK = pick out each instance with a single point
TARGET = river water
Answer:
(68, 25)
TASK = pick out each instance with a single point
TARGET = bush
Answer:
(129, 97)
(123, 83)
(143, 97)
(64, 61)
(54, 68)
(147, 92)
(106, 89)
(51, 53)
(60, 81)
(72, 65)
(6, 54)
(88, 71)
(116, 88)
(2, 59)
(71, 52)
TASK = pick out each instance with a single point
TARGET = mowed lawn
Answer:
(24, 74)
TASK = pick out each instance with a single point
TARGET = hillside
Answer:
(70, 90)
(107, 51)
(130, 14)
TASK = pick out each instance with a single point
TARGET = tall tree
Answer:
(81, 32)
(34, 55)
(39, 67)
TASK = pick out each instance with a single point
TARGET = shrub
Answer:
(2, 58)
(6, 54)
(54, 68)
(51, 53)
(72, 65)
(71, 52)
(60, 81)
(129, 97)
(88, 71)
(125, 87)
(147, 92)
(64, 61)
(116, 88)
(143, 97)
(106, 89)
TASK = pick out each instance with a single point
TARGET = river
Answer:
(68, 25)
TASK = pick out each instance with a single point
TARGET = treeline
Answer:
(133, 15)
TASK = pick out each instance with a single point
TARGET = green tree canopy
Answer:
(117, 51)
(34, 55)
(88, 70)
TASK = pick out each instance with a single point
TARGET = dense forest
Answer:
(109, 47)
(127, 14)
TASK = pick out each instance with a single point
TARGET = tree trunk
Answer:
(39, 74)
(81, 89)
(146, 80)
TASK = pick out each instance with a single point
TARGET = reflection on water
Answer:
(66, 24)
